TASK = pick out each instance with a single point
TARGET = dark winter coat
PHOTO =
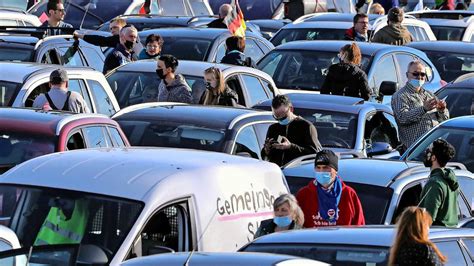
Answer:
(348, 80)
(268, 226)
(238, 58)
(176, 91)
(217, 23)
(227, 98)
(395, 34)
(417, 254)
(119, 56)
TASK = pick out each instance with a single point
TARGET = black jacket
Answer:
(119, 56)
(227, 98)
(109, 41)
(217, 23)
(417, 254)
(302, 135)
(238, 58)
(348, 80)
(268, 227)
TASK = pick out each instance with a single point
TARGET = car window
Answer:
(185, 48)
(101, 98)
(93, 59)
(274, 61)
(71, 57)
(173, 8)
(75, 141)
(7, 90)
(428, 69)
(261, 129)
(51, 56)
(460, 101)
(422, 33)
(252, 50)
(465, 183)
(268, 88)
(379, 128)
(255, 90)
(453, 251)
(403, 60)
(384, 71)
(199, 8)
(410, 196)
(96, 137)
(233, 83)
(290, 35)
(246, 143)
(116, 137)
(472, 37)
(469, 242)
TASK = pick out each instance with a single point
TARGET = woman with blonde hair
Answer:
(288, 216)
(217, 93)
(412, 245)
(346, 77)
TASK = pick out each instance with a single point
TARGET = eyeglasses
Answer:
(418, 74)
(61, 10)
(363, 22)
(152, 46)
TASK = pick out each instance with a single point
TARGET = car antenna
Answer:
(92, 5)
(186, 263)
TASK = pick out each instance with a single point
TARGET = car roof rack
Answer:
(38, 32)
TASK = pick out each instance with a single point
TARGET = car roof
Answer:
(184, 67)
(319, 25)
(328, 102)
(444, 46)
(449, 14)
(19, 39)
(218, 117)
(19, 72)
(335, 16)
(374, 235)
(333, 46)
(131, 173)
(460, 122)
(191, 32)
(382, 173)
(468, 78)
(439, 22)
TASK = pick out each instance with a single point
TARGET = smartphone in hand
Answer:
(279, 139)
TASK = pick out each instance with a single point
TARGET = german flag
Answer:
(235, 20)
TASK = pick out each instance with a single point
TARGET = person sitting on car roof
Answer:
(123, 52)
(224, 11)
(153, 45)
(56, 13)
(327, 200)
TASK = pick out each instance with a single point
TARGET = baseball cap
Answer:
(57, 76)
(326, 157)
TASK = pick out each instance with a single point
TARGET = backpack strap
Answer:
(51, 104)
(66, 103)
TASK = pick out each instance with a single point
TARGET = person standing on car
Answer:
(327, 200)
(152, 49)
(58, 97)
(56, 13)
(224, 11)
(416, 110)
(290, 138)
(122, 54)
(394, 33)
(235, 47)
(359, 31)
(412, 245)
(288, 216)
(346, 77)
(173, 87)
(217, 93)
(440, 194)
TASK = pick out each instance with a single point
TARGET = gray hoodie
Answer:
(177, 91)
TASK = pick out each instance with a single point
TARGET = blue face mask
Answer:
(323, 178)
(417, 83)
(282, 221)
(285, 121)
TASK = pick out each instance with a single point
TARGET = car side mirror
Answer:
(388, 88)
(378, 148)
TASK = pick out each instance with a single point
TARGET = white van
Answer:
(126, 203)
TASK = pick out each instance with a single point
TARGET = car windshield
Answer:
(443, 33)
(461, 138)
(19, 147)
(290, 35)
(305, 70)
(132, 87)
(185, 48)
(7, 90)
(333, 254)
(16, 54)
(86, 219)
(335, 129)
(460, 101)
(451, 65)
(177, 134)
(199, 8)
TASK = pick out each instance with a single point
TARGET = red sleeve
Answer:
(358, 218)
(304, 200)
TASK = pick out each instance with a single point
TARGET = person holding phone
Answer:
(416, 110)
(290, 138)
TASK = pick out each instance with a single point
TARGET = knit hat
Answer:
(326, 157)
(395, 15)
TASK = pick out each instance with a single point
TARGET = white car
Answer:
(173, 8)
(14, 17)
(420, 30)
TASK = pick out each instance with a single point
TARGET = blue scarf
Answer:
(329, 201)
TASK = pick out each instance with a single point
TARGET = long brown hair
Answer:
(413, 227)
(209, 98)
(352, 52)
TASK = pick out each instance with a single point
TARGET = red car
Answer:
(28, 133)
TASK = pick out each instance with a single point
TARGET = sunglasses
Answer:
(418, 74)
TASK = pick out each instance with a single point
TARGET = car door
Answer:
(452, 249)
(246, 143)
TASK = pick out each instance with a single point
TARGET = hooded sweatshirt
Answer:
(440, 197)
(394, 33)
(238, 58)
(177, 91)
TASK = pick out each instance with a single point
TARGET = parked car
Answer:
(205, 44)
(458, 131)
(268, 27)
(56, 50)
(229, 259)
(459, 96)
(385, 187)
(451, 58)
(366, 245)
(334, 16)
(253, 9)
(28, 133)
(21, 83)
(420, 30)
(303, 65)
(17, 17)
(450, 25)
(221, 129)
(347, 124)
(140, 201)
(172, 8)
(131, 82)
